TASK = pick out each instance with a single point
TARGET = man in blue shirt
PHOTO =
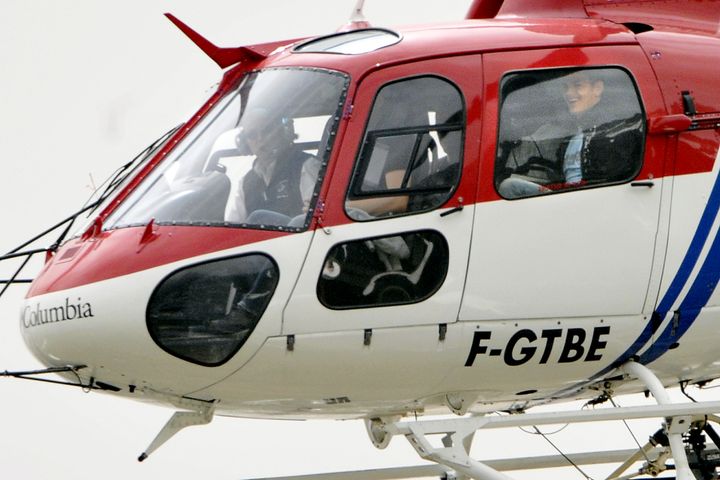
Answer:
(582, 92)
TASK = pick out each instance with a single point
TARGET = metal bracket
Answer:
(460, 402)
(74, 369)
(201, 414)
(367, 337)
(375, 427)
(679, 425)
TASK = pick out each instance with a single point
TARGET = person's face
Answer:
(581, 93)
(264, 138)
(255, 139)
(264, 141)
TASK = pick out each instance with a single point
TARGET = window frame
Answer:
(151, 324)
(237, 92)
(427, 232)
(570, 69)
(369, 138)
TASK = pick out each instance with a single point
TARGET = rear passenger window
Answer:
(411, 154)
(567, 129)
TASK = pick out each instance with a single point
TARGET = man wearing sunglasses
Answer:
(277, 190)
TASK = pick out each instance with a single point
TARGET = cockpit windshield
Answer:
(256, 159)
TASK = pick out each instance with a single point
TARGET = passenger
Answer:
(368, 208)
(278, 188)
(584, 154)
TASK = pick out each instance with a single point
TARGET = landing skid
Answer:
(680, 439)
(453, 462)
(501, 465)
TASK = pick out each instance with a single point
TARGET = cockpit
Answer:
(256, 159)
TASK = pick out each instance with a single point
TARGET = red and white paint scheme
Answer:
(387, 222)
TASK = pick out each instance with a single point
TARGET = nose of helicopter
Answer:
(130, 323)
(100, 326)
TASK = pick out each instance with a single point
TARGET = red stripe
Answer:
(119, 252)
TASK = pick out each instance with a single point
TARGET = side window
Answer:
(563, 130)
(390, 270)
(410, 160)
(204, 313)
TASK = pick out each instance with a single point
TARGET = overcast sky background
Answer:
(85, 85)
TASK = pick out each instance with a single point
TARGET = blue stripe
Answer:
(701, 288)
(693, 253)
(698, 295)
(691, 306)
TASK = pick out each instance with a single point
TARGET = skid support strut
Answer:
(676, 426)
(454, 453)
(458, 432)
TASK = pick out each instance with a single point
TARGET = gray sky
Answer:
(85, 86)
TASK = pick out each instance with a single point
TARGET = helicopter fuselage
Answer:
(466, 295)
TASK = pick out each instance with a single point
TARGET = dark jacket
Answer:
(612, 150)
(282, 194)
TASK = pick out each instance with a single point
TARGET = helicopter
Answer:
(324, 298)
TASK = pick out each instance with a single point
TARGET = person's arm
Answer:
(377, 206)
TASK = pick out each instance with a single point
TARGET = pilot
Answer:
(278, 188)
(594, 149)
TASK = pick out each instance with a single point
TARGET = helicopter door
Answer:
(568, 218)
(399, 206)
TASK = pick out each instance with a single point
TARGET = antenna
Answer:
(357, 19)
(357, 14)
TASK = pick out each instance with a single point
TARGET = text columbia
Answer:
(35, 316)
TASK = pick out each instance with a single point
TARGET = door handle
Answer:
(459, 208)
